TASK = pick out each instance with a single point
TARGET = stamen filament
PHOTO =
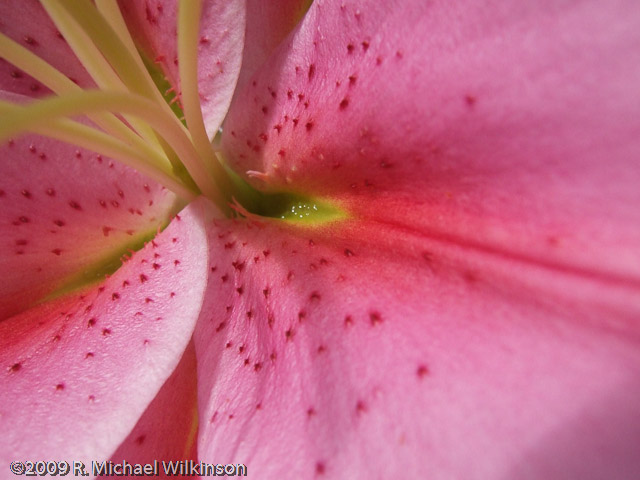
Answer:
(42, 71)
(33, 65)
(189, 12)
(83, 47)
(112, 14)
(91, 58)
(91, 139)
(110, 11)
(134, 76)
(38, 113)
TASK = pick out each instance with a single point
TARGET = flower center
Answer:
(129, 118)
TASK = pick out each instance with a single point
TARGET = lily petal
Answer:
(153, 24)
(476, 314)
(167, 429)
(39, 35)
(268, 23)
(98, 358)
(67, 213)
(355, 351)
(502, 126)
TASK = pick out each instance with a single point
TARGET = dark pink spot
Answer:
(422, 371)
(238, 265)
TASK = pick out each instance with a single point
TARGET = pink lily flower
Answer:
(434, 274)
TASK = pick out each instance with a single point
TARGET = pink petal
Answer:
(477, 315)
(153, 25)
(502, 127)
(268, 23)
(167, 429)
(79, 371)
(361, 351)
(26, 22)
(64, 211)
